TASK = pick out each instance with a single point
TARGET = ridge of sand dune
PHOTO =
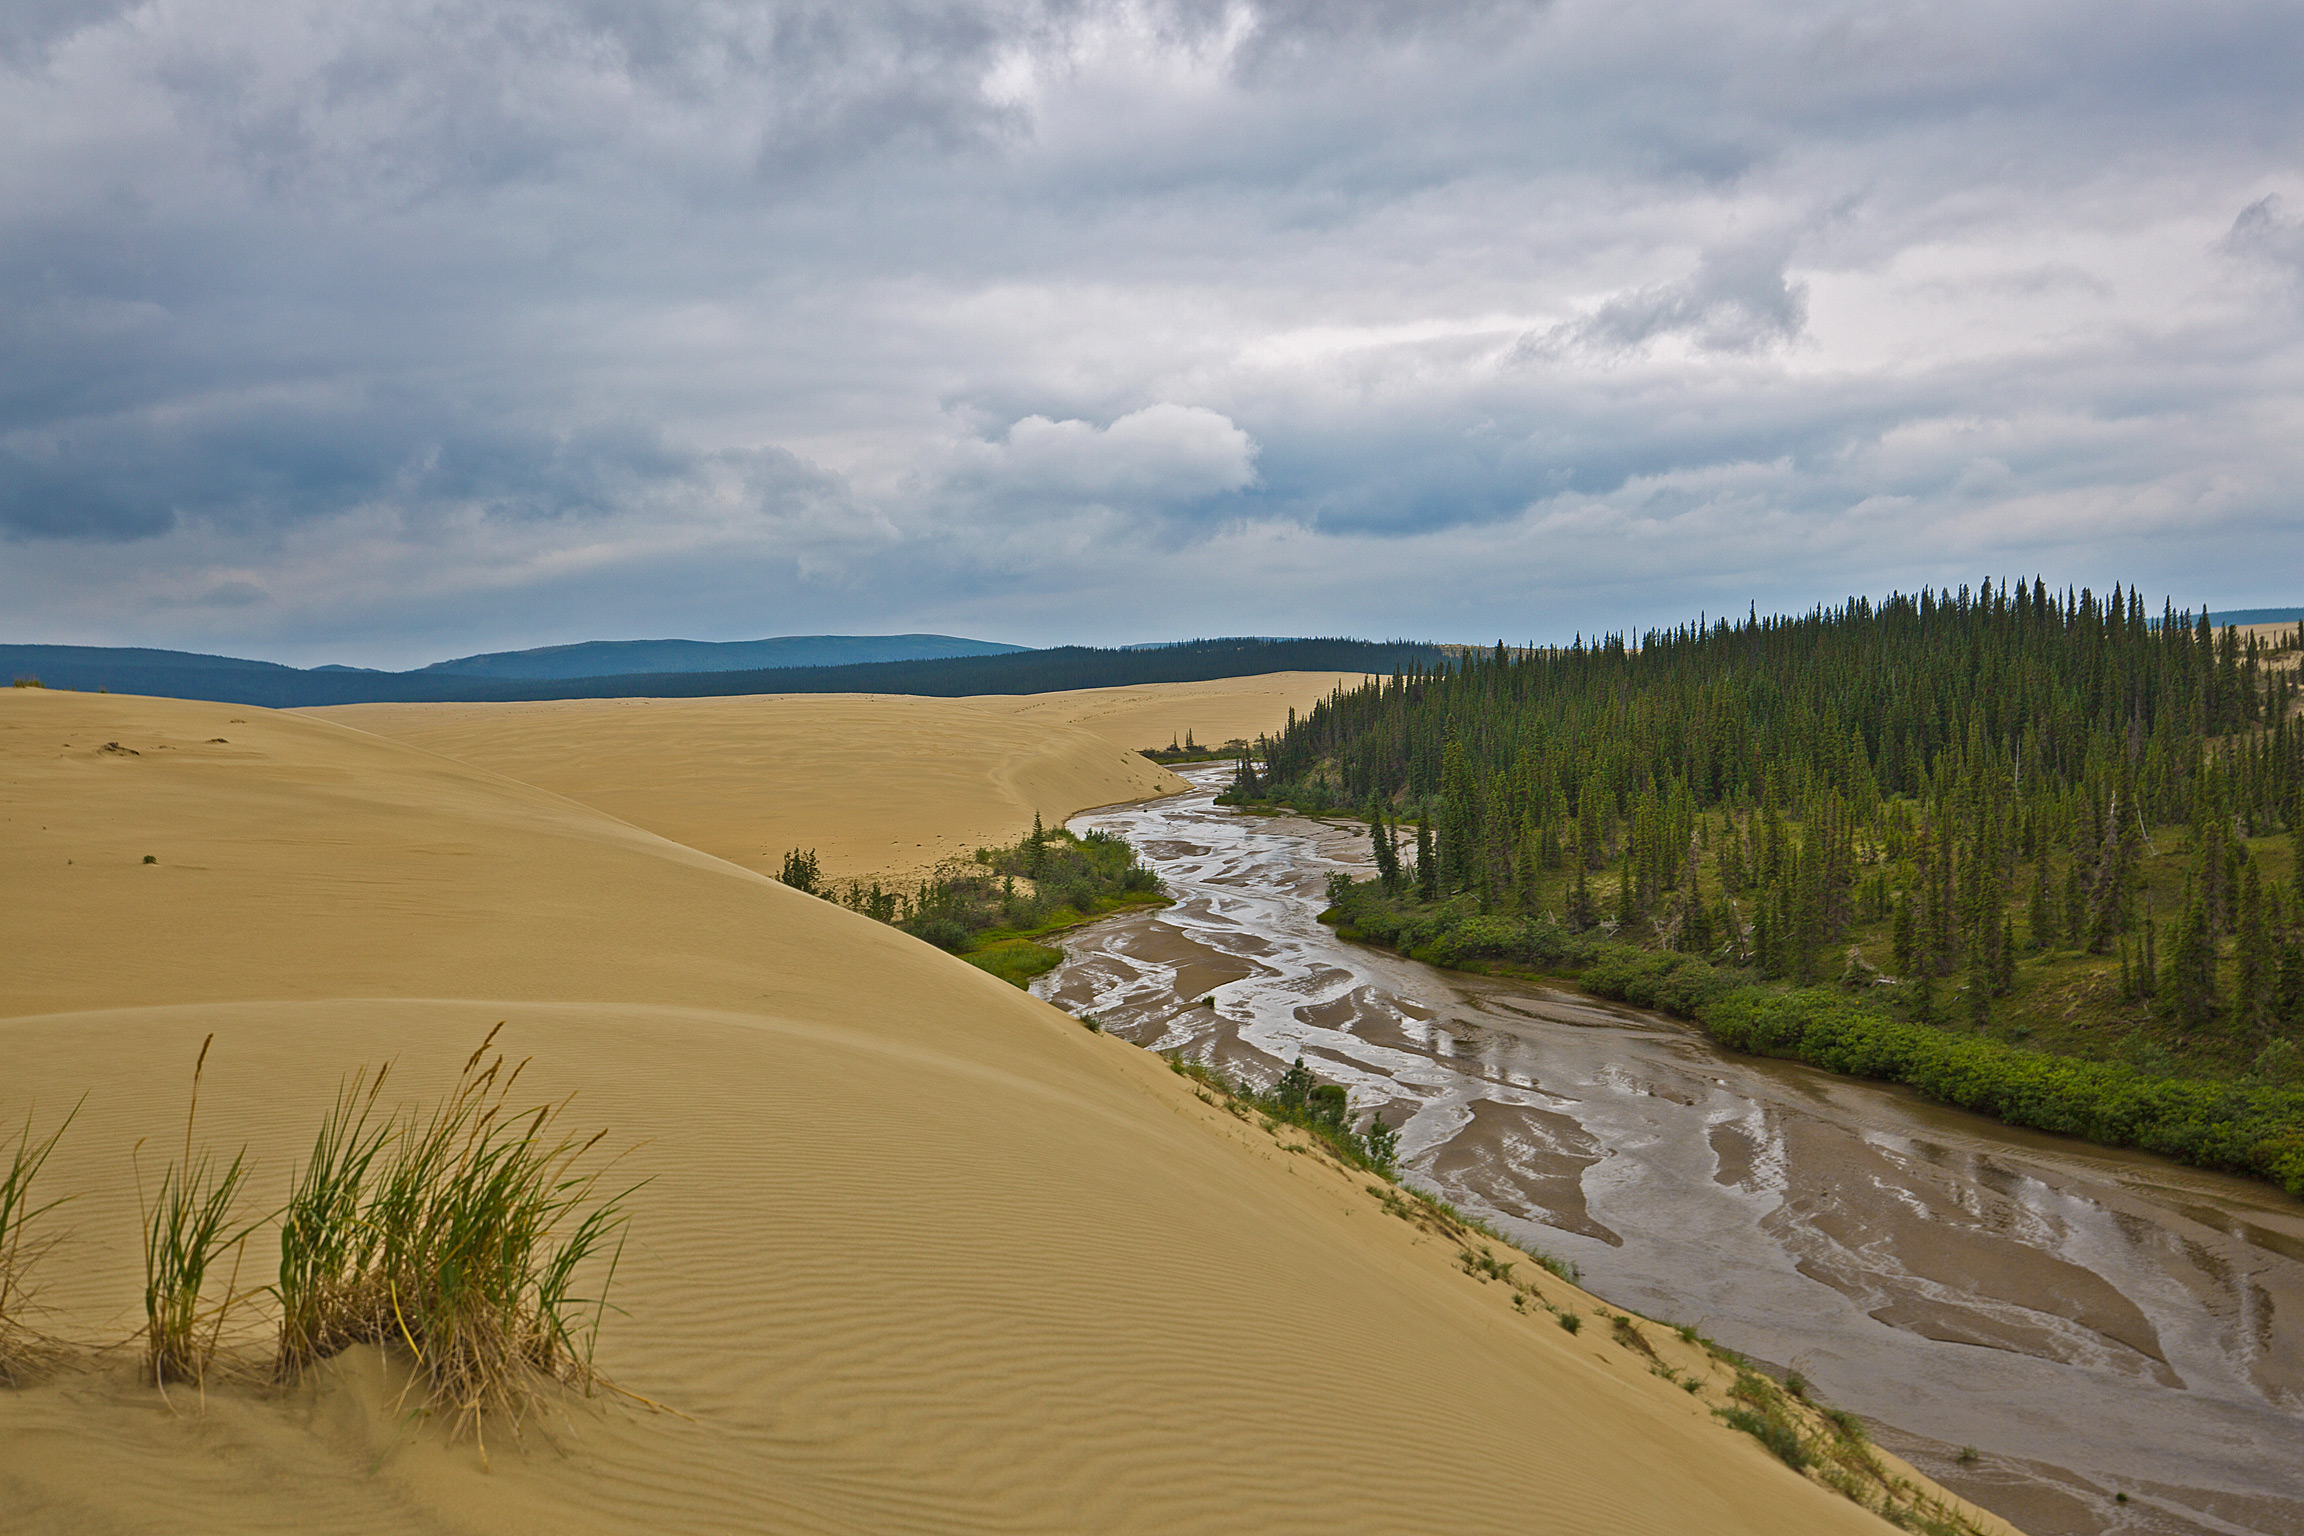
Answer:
(919, 1253)
(880, 785)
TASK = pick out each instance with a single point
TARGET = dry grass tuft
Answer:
(456, 1237)
(23, 1351)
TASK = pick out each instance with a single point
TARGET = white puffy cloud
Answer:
(1161, 458)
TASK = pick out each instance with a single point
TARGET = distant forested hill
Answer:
(177, 674)
(2257, 616)
(622, 658)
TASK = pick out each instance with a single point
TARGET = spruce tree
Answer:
(1527, 870)
(1427, 869)
(1924, 998)
(2190, 982)
(2040, 922)
(1380, 841)
(2255, 957)
(2291, 1013)
(1695, 926)
(1579, 914)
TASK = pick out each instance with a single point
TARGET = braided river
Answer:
(2042, 1325)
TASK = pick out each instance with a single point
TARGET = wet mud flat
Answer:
(2094, 1322)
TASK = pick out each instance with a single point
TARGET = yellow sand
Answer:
(920, 1254)
(881, 786)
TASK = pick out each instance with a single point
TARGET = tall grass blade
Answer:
(326, 1245)
(21, 1349)
(192, 1223)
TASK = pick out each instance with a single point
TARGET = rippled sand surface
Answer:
(918, 1254)
(2094, 1321)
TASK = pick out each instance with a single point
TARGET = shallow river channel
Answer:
(2092, 1322)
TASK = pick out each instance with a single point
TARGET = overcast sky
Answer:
(378, 331)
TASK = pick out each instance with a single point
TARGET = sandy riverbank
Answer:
(920, 1253)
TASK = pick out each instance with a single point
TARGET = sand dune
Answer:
(880, 786)
(919, 1254)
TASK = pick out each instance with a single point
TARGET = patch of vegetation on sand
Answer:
(990, 907)
(1322, 1110)
(454, 1237)
(1191, 751)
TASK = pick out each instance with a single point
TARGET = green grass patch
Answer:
(1015, 961)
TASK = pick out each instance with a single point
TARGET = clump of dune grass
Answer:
(455, 1237)
(192, 1222)
(326, 1245)
(22, 1349)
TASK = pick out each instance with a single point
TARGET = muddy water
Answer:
(2093, 1322)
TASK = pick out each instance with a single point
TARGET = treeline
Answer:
(2047, 817)
(180, 675)
(2061, 695)
(1947, 762)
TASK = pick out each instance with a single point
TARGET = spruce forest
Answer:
(2032, 852)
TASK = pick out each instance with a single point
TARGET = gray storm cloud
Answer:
(374, 330)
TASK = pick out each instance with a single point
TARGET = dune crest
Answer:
(881, 786)
(919, 1254)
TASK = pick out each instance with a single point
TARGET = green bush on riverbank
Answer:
(1322, 1109)
(988, 907)
(2245, 1128)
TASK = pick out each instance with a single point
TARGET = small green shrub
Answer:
(802, 872)
(1771, 1432)
(1571, 1321)
(1296, 1099)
